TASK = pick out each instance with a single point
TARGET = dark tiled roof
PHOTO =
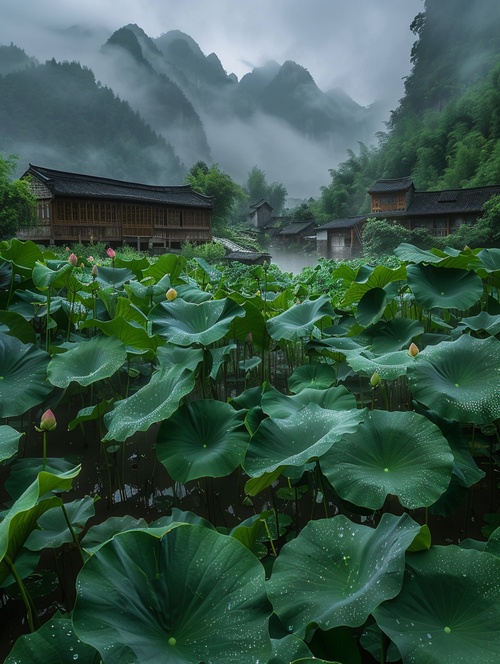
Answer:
(457, 201)
(248, 256)
(298, 227)
(345, 223)
(89, 186)
(399, 184)
(260, 203)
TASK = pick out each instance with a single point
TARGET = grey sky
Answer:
(361, 46)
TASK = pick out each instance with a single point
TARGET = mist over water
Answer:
(290, 260)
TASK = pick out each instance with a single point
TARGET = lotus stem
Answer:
(72, 531)
(31, 611)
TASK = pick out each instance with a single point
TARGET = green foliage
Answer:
(258, 188)
(212, 252)
(17, 203)
(381, 237)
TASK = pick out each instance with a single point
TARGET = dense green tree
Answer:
(211, 181)
(381, 237)
(258, 188)
(17, 203)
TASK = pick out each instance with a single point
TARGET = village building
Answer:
(397, 201)
(83, 208)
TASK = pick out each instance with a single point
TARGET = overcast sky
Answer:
(361, 46)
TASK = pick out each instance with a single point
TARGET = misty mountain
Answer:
(13, 59)
(57, 114)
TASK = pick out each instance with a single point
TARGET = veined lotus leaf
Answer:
(152, 403)
(448, 610)
(388, 366)
(249, 364)
(317, 376)
(212, 273)
(193, 595)
(192, 293)
(44, 278)
(219, 356)
(411, 254)
(483, 321)
(336, 347)
(90, 413)
(24, 472)
(21, 519)
(169, 354)
(378, 277)
(459, 379)
(307, 434)
(23, 376)
(130, 333)
(136, 265)
(9, 440)
(393, 335)
(299, 321)
(183, 323)
(396, 453)
(203, 438)
(276, 404)
(450, 288)
(54, 642)
(371, 307)
(170, 264)
(54, 531)
(115, 277)
(17, 326)
(22, 256)
(87, 362)
(336, 572)
(490, 259)
(288, 649)
(253, 322)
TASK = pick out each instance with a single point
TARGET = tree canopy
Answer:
(17, 203)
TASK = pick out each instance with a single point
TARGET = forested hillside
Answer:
(58, 114)
(446, 131)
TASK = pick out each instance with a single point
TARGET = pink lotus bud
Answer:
(48, 421)
(90, 259)
(171, 294)
(413, 350)
(72, 260)
(375, 380)
(94, 272)
(111, 252)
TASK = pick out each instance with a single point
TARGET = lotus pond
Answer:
(235, 466)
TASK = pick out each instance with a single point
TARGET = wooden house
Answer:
(85, 208)
(397, 201)
(260, 213)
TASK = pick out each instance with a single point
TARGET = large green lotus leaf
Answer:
(152, 403)
(23, 376)
(378, 277)
(169, 354)
(337, 572)
(448, 610)
(54, 531)
(22, 256)
(482, 322)
(315, 376)
(388, 366)
(98, 535)
(24, 472)
(252, 323)
(371, 307)
(44, 278)
(288, 649)
(183, 323)
(170, 264)
(337, 348)
(9, 440)
(220, 355)
(115, 277)
(88, 362)
(276, 404)
(490, 259)
(299, 321)
(90, 413)
(130, 333)
(54, 643)
(21, 519)
(305, 435)
(17, 326)
(192, 293)
(396, 453)
(136, 265)
(393, 335)
(192, 596)
(459, 379)
(203, 438)
(411, 254)
(449, 288)
(144, 296)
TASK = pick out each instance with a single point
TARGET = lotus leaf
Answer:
(203, 438)
(9, 440)
(371, 307)
(450, 288)
(193, 595)
(448, 610)
(276, 404)
(152, 403)
(299, 321)
(306, 434)
(337, 572)
(391, 453)
(23, 376)
(54, 531)
(388, 366)
(87, 362)
(316, 376)
(459, 379)
(183, 323)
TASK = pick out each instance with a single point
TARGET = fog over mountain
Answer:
(281, 87)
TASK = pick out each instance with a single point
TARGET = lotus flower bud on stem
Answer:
(48, 421)
(171, 294)
(413, 350)
(72, 260)
(375, 380)
(94, 272)
(111, 252)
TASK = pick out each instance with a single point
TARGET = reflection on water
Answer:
(289, 260)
